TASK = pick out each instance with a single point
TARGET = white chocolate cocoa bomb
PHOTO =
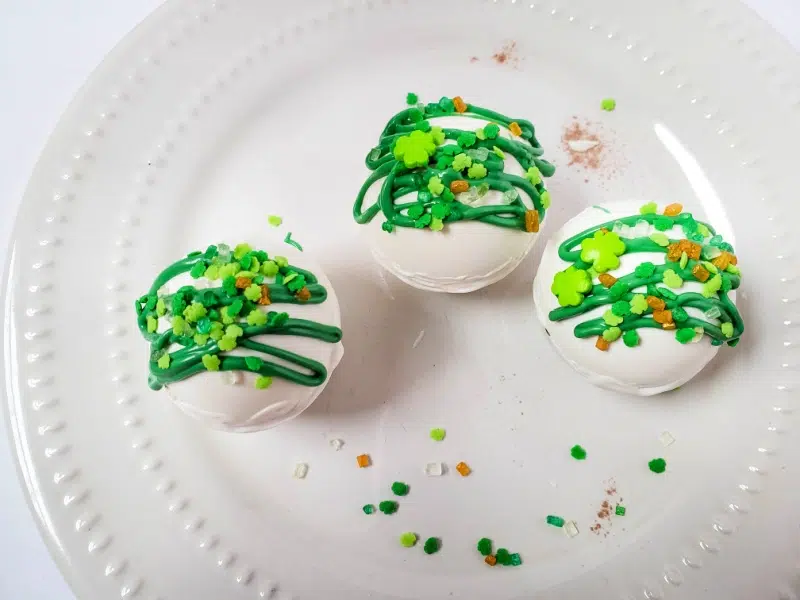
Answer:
(465, 256)
(659, 363)
(228, 400)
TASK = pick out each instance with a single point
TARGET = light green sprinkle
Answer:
(288, 240)
(163, 362)
(152, 324)
(435, 186)
(263, 382)
(227, 343)
(703, 230)
(408, 539)
(648, 209)
(161, 307)
(710, 267)
(684, 260)
(240, 250)
(212, 272)
(180, 326)
(727, 329)
(281, 261)
(437, 133)
(498, 152)
(274, 220)
(638, 304)
(234, 331)
(660, 238)
(608, 104)
(228, 270)
(477, 171)
(216, 331)
(672, 279)
(211, 362)
(534, 175)
(461, 162)
(437, 434)
(290, 277)
(194, 312)
(611, 319)
(712, 286)
(545, 196)
(612, 334)
(257, 318)
(269, 269)
(436, 224)
(733, 269)
(200, 338)
(253, 292)
(480, 134)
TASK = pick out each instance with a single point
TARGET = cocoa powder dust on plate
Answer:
(588, 147)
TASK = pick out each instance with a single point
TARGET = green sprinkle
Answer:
(281, 261)
(290, 277)
(618, 290)
(533, 175)
(679, 315)
(685, 335)
(485, 546)
(665, 293)
(578, 452)
(612, 334)
(620, 510)
(503, 557)
(657, 465)
(212, 272)
(684, 260)
(274, 220)
(555, 521)
(416, 211)
(216, 331)
(211, 362)
(648, 209)
(432, 545)
(399, 488)
(269, 268)
(253, 292)
(194, 312)
(435, 186)
(662, 223)
(263, 382)
(461, 162)
(645, 270)
(480, 134)
(611, 319)
(253, 363)
(621, 308)
(498, 151)
(466, 139)
(516, 559)
(368, 509)
(440, 210)
(288, 239)
(710, 267)
(257, 318)
(163, 362)
(545, 197)
(477, 171)
(660, 238)
(436, 224)
(712, 286)
(727, 329)
(198, 270)
(161, 307)
(152, 324)
(412, 99)
(437, 434)
(234, 331)
(672, 279)
(228, 270)
(240, 250)
(200, 338)
(408, 539)
(608, 104)
(638, 304)
(388, 507)
(437, 133)
(387, 226)
(630, 338)
(733, 269)
(492, 130)
(227, 343)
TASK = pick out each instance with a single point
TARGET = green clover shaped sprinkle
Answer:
(485, 546)
(503, 557)
(408, 539)
(492, 130)
(435, 186)
(212, 272)
(621, 308)
(657, 465)
(533, 175)
(684, 335)
(234, 331)
(216, 331)
(240, 250)
(498, 151)
(612, 334)
(163, 362)
(727, 329)
(461, 162)
(611, 319)
(226, 317)
(578, 452)
(645, 270)
(662, 223)
(180, 326)
(200, 338)
(477, 171)
(412, 99)
(161, 307)
(399, 488)
(415, 149)
(618, 290)
(648, 209)
(416, 211)
(269, 269)
(423, 221)
(211, 362)
(436, 224)
(194, 312)
(437, 434)
(660, 238)
(253, 363)
(679, 315)
(672, 279)
(602, 251)
(274, 220)
(545, 197)
(638, 304)
(480, 134)
(570, 286)
(423, 126)
(631, 338)
(198, 270)
(712, 286)
(281, 261)
(263, 382)
(608, 104)
(440, 210)
(388, 507)
(466, 139)
(152, 324)
(438, 135)
(227, 343)
(431, 546)
(256, 318)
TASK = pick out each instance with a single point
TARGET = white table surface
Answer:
(47, 49)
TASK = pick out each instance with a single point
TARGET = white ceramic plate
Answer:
(212, 114)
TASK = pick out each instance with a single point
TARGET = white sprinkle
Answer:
(571, 529)
(232, 377)
(337, 444)
(666, 438)
(434, 469)
(419, 339)
(582, 145)
(300, 470)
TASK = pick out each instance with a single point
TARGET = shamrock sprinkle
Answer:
(263, 382)
(476, 171)
(612, 334)
(570, 286)
(638, 304)
(533, 175)
(435, 186)
(211, 362)
(163, 362)
(727, 329)
(672, 279)
(602, 251)
(611, 319)
(630, 338)
(645, 270)
(461, 162)
(648, 209)
(415, 149)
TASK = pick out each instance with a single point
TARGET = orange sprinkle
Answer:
(693, 250)
(363, 460)
(674, 252)
(303, 295)
(607, 280)
(490, 560)
(514, 128)
(531, 221)
(668, 325)
(459, 185)
(673, 210)
(700, 273)
(662, 316)
(604, 229)
(655, 303)
(243, 282)
(723, 260)
(264, 300)
(602, 344)
(460, 105)
(463, 469)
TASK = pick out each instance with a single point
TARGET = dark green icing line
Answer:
(622, 290)
(196, 344)
(434, 210)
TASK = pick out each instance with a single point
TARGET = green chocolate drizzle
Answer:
(578, 294)
(413, 157)
(206, 324)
